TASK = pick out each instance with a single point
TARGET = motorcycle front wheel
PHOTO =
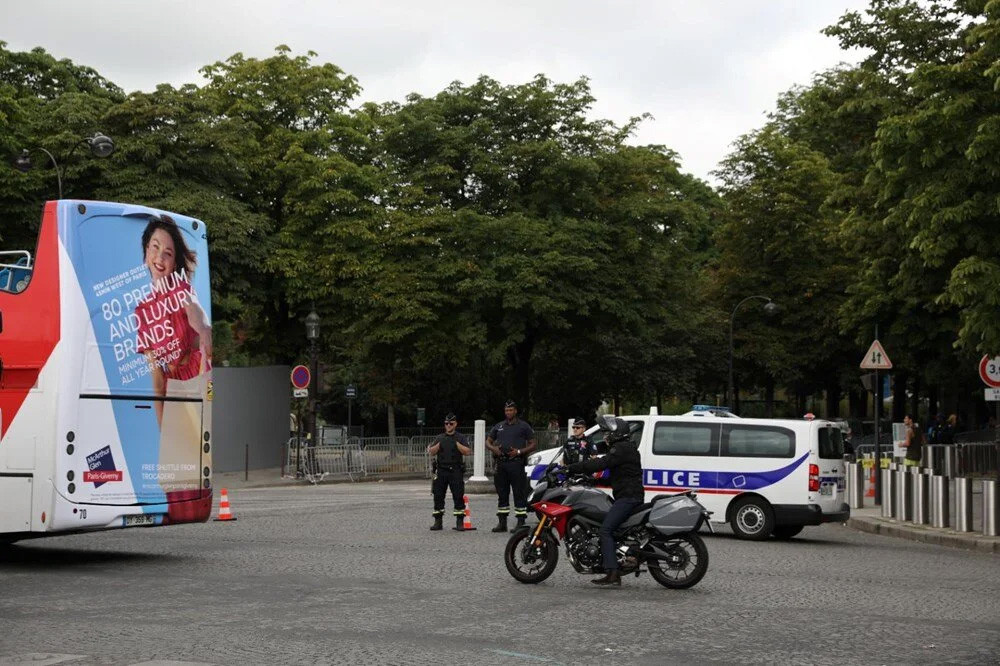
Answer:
(530, 560)
(687, 563)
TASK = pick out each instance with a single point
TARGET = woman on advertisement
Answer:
(175, 336)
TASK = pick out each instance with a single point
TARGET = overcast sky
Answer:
(707, 70)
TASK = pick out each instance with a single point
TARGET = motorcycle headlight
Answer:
(535, 459)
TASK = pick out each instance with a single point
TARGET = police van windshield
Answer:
(831, 443)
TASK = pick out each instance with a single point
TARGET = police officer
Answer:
(448, 449)
(578, 447)
(511, 441)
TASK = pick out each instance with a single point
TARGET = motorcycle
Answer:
(660, 535)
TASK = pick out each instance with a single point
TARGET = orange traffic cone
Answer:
(871, 482)
(468, 517)
(224, 512)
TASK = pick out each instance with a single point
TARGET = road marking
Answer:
(161, 662)
(39, 659)
(521, 655)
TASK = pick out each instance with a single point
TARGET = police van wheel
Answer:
(787, 531)
(752, 519)
(531, 562)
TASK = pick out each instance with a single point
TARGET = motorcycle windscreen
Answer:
(135, 310)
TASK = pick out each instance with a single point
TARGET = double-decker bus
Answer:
(105, 372)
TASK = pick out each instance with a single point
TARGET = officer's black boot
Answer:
(519, 524)
(437, 523)
(459, 524)
(501, 524)
(613, 577)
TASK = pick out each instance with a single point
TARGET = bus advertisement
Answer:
(105, 373)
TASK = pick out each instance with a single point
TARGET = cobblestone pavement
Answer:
(349, 574)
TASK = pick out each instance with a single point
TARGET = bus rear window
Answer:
(831, 443)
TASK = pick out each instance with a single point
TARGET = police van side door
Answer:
(683, 455)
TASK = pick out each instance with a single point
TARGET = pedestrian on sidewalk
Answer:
(511, 441)
(448, 450)
(913, 443)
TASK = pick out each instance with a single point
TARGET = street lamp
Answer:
(770, 307)
(312, 335)
(100, 146)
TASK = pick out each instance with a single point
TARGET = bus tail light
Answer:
(814, 478)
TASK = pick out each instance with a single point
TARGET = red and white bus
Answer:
(105, 372)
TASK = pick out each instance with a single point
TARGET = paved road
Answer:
(349, 574)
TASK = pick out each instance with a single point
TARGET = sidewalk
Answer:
(869, 519)
(256, 478)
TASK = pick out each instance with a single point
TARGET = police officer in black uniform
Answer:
(448, 449)
(578, 447)
(511, 441)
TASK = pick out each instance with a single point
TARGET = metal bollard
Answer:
(888, 493)
(951, 461)
(991, 508)
(856, 485)
(940, 515)
(921, 505)
(963, 504)
(904, 500)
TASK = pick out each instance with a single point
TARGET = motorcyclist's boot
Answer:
(501, 524)
(519, 524)
(437, 523)
(459, 523)
(611, 578)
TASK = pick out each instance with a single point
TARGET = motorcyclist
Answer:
(625, 464)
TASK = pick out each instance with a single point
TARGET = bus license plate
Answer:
(827, 488)
(139, 519)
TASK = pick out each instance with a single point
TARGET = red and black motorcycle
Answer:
(660, 536)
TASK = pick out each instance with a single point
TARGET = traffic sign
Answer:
(992, 394)
(300, 393)
(989, 371)
(876, 358)
(351, 391)
(301, 377)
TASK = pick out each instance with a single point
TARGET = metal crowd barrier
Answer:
(964, 459)
(359, 457)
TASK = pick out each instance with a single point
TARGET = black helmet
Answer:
(616, 428)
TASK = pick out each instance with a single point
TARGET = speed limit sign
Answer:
(989, 371)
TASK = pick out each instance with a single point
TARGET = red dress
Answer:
(165, 332)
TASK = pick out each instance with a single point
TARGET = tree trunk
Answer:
(391, 419)
(832, 400)
(932, 401)
(519, 356)
(769, 397)
(857, 404)
(915, 399)
(899, 396)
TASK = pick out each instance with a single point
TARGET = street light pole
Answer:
(100, 146)
(312, 334)
(769, 307)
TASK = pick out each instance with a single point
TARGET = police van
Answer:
(762, 476)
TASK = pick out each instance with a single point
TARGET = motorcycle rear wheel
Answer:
(688, 563)
(529, 562)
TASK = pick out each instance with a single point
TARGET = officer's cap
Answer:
(580, 422)
(450, 416)
(510, 403)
